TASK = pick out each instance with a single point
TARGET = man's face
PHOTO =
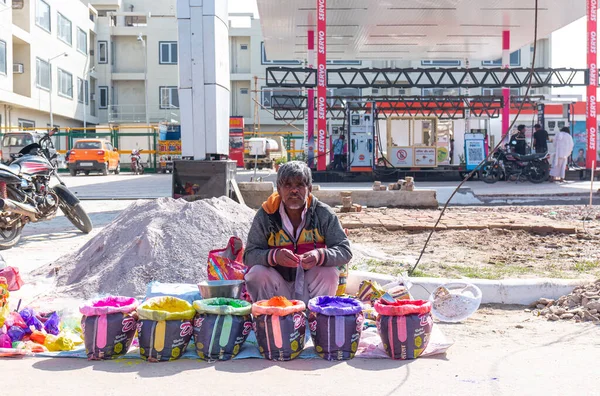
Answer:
(294, 193)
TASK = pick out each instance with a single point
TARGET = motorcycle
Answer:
(136, 162)
(27, 197)
(507, 165)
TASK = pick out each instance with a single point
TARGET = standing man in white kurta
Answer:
(563, 146)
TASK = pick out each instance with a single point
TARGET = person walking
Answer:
(338, 152)
(518, 141)
(563, 146)
(540, 139)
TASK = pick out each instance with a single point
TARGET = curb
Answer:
(505, 291)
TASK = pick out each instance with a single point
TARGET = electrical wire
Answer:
(490, 155)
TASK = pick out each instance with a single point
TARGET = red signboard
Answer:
(321, 84)
(592, 61)
(236, 140)
(311, 99)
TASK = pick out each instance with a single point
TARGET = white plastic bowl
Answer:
(455, 302)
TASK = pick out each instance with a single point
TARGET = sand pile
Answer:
(582, 305)
(165, 240)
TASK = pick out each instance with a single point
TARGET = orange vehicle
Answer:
(93, 155)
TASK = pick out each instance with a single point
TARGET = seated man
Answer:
(295, 243)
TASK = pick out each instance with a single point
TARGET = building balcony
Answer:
(120, 114)
(127, 76)
(105, 3)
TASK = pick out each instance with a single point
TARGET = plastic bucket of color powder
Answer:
(404, 327)
(221, 327)
(108, 325)
(335, 326)
(280, 327)
(164, 328)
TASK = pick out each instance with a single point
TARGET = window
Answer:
(515, 60)
(266, 61)
(103, 97)
(65, 31)
(87, 145)
(19, 139)
(169, 98)
(113, 52)
(498, 92)
(2, 57)
(65, 83)
(42, 78)
(87, 92)
(244, 91)
(102, 52)
(26, 124)
(81, 41)
(244, 47)
(82, 90)
(168, 53)
(438, 62)
(268, 93)
(42, 15)
(440, 92)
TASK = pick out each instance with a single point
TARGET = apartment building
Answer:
(45, 63)
(249, 60)
(136, 61)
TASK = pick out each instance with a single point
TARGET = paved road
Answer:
(128, 186)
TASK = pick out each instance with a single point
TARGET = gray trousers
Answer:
(265, 282)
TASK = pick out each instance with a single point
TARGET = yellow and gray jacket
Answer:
(322, 231)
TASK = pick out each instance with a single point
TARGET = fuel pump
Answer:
(361, 132)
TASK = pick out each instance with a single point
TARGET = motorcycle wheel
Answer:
(76, 216)
(490, 172)
(539, 172)
(10, 237)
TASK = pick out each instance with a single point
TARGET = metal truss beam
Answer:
(291, 77)
(291, 108)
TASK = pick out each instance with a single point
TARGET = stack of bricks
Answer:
(347, 205)
(378, 187)
(404, 185)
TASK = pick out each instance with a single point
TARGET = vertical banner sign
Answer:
(322, 84)
(506, 91)
(592, 61)
(310, 155)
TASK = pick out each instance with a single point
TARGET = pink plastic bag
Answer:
(226, 264)
(13, 278)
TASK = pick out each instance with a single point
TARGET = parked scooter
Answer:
(137, 167)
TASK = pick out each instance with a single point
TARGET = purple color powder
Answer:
(333, 305)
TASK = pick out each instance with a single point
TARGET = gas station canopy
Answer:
(411, 29)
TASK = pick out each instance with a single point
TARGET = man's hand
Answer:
(310, 259)
(286, 258)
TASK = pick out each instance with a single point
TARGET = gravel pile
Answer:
(582, 305)
(165, 240)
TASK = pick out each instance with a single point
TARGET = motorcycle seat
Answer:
(529, 157)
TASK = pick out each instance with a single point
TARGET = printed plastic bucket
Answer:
(164, 328)
(280, 330)
(221, 327)
(108, 325)
(335, 326)
(404, 327)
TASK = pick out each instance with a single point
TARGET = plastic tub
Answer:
(165, 328)
(280, 328)
(335, 326)
(221, 327)
(108, 325)
(404, 327)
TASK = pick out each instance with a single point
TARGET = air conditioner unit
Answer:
(18, 68)
(18, 4)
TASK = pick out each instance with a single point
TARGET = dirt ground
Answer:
(488, 253)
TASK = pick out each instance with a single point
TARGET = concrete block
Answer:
(183, 9)
(216, 112)
(255, 193)
(379, 199)
(216, 52)
(187, 122)
(185, 53)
